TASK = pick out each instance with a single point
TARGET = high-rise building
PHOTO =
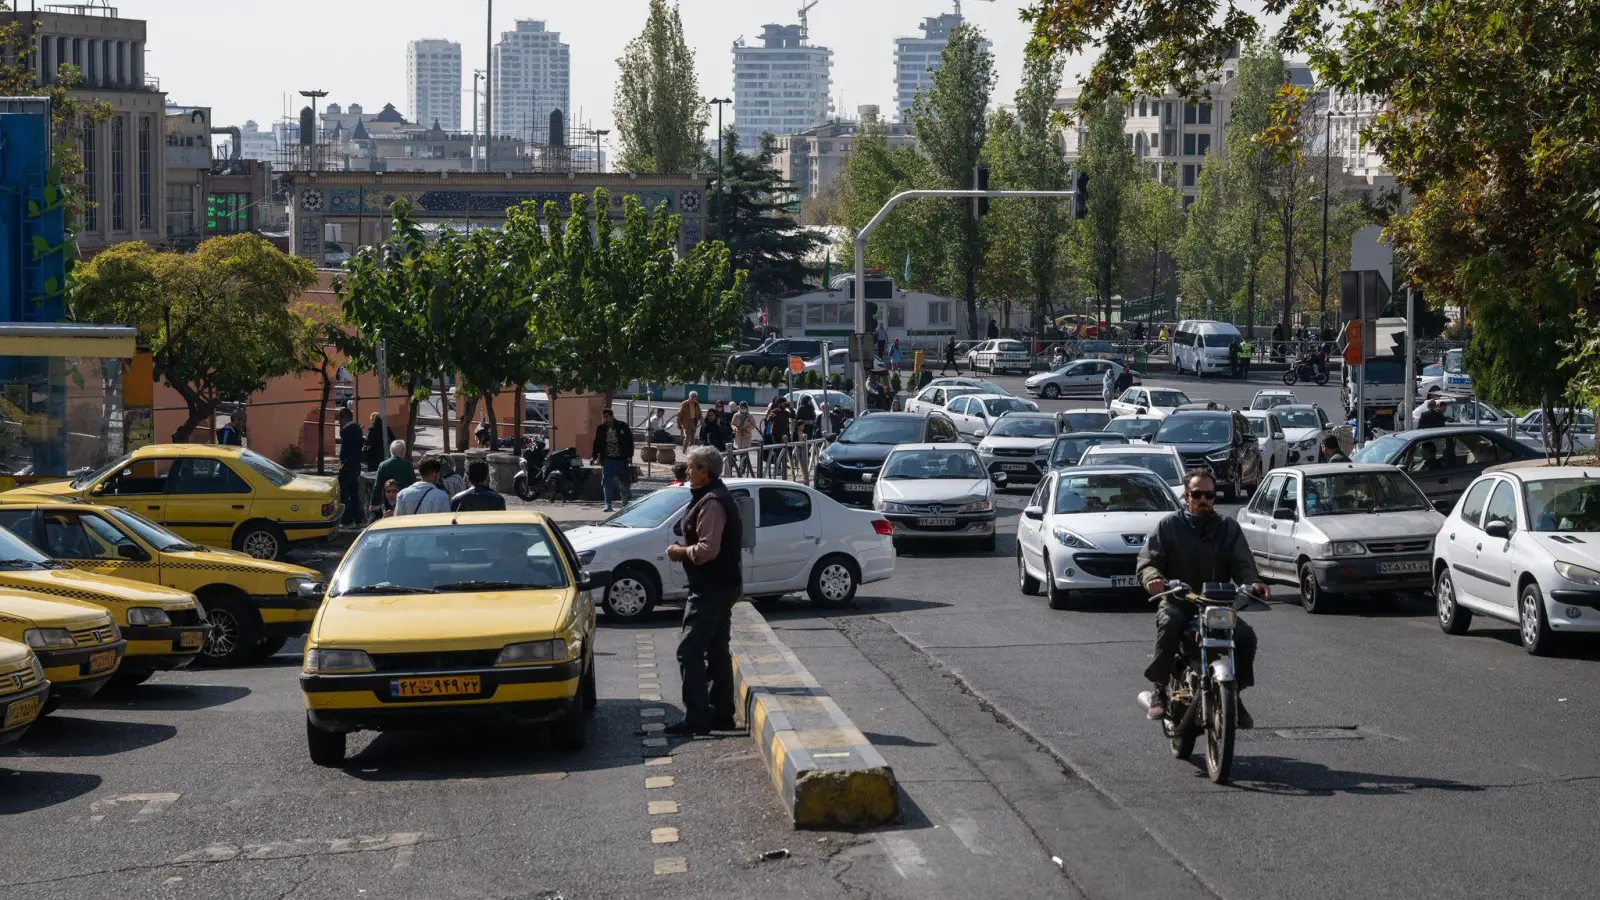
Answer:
(917, 58)
(780, 87)
(532, 80)
(433, 83)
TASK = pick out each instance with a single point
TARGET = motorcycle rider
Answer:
(1196, 546)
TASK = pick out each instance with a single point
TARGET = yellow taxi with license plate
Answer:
(251, 607)
(23, 689)
(164, 628)
(433, 619)
(220, 496)
(78, 645)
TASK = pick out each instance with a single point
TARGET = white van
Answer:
(1201, 346)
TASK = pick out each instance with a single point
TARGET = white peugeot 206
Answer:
(805, 541)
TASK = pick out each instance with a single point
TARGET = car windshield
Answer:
(1299, 418)
(1191, 429)
(1258, 425)
(449, 558)
(1085, 421)
(1133, 428)
(1347, 493)
(1025, 426)
(1010, 347)
(881, 430)
(1217, 339)
(88, 478)
(1160, 463)
(149, 532)
(17, 553)
(1071, 449)
(1130, 492)
(1168, 399)
(1455, 362)
(925, 464)
(1432, 370)
(650, 510)
(1564, 504)
(271, 471)
(999, 406)
(1383, 450)
(1271, 401)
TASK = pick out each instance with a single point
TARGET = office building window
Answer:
(1189, 144)
(119, 205)
(144, 172)
(1187, 202)
(1190, 114)
(1202, 144)
(1205, 114)
(91, 171)
(1189, 172)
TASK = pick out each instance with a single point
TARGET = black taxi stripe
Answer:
(103, 563)
(70, 594)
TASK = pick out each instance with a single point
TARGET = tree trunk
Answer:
(199, 411)
(444, 413)
(411, 413)
(518, 410)
(1250, 279)
(494, 427)
(322, 419)
(1288, 269)
(468, 409)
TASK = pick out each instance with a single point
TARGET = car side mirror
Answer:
(132, 551)
(593, 581)
(1034, 512)
(1499, 528)
(1284, 513)
(981, 432)
(96, 490)
(315, 590)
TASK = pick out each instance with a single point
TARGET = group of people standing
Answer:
(399, 488)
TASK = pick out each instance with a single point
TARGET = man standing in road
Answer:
(1108, 385)
(1233, 358)
(1247, 351)
(711, 554)
(479, 497)
(398, 468)
(350, 446)
(881, 338)
(425, 495)
(688, 419)
(613, 451)
(1432, 417)
(1331, 451)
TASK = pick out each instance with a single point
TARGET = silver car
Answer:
(1341, 528)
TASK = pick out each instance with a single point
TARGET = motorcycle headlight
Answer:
(48, 639)
(337, 661)
(977, 506)
(586, 557)
(532, 652)
(291, 586)
(1347, 548)
(1578, 574)
(149, 616)
(1068, 539)
(1220, 617)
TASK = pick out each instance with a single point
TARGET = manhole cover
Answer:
(1320, 734)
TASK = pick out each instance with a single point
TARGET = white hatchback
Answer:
(805, 541)
(1150, 399)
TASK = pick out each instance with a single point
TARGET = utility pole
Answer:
(721, 188)
(488, 92)
(597, 134)
(1327, 184)
(476, 74)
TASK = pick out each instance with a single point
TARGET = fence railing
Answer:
(795, 461)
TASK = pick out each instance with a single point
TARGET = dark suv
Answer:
(1220, 441)
(774, 354)
(848, 469)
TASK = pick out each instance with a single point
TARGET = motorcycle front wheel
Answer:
(1222, 709)
(1289, 377)
(520, 485)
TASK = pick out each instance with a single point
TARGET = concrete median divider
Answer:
(825, 770)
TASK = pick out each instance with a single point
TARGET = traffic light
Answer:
(1080, 199)
(1399, 348)
(980, 182)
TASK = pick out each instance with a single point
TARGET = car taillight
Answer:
(327, 510)
(883, 527)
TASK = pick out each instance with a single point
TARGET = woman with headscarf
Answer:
(805, 419)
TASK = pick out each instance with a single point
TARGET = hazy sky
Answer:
(241, 57)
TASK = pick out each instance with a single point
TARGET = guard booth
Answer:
(72, 399)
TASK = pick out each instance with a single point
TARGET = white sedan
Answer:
(1150, 399)
(938, 396)
(1000, 355)
(1523, 546)
(839, 362)
(1304, 427)
(938, 492)
(1269, 437)
(1084, 376)
(988, 387)
(1162, 459)
(1083, 528)
(975, 414)
(805, 541)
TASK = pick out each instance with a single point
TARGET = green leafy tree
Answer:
(752, 219)
(871, 174)
(1250, 162)
(319, 330)
(1152, 224)
(1112, 172)
(1211, 254)
(222, 326)
(660, 115)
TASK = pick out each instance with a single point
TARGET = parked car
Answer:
(839, 362)
(938, 492)
(805, 542)
(938, 396)
(1069, 448)
(1463, 411)
(1136, 428)
(1304, 427)
(1269, 438)
(1084, 419)
(1577, 436)
(847, 469)
(76, 642)
(1219, 441)
(1162, 459)
(975, 414)
(1336, 529)
(1523, 546)
(987, 387)
(1270, 398)
(1443, 461)
(23, 690)
(1083, 528)
(1084, 376)
(1150, 398)
(1000, 355)
(775, 353)
(1019, 445)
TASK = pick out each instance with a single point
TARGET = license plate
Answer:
(935, 522)
(100, 662)
(1124, 581)
(22, 712)
(440, 686)
(1399, 568)
(1014, 467)
(863, 488)
(192, 639)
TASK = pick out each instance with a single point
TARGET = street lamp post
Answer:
(597, 134)
(1327, 184)
(488, 91)
(311, 164)
(476, 74)
(720, 192)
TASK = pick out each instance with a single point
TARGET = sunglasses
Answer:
(1203, 495)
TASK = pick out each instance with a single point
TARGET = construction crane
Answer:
(958, 5)
(805, 30)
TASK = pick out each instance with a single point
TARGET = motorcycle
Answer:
(1306, 370)
(534, 454)
(561, 476)
(1202, 697)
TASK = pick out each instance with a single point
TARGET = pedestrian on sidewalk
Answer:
(881, 338)
(1432, 416)
(396, 468)
(479, 497)
(425, 495)
(1332, 451)
(385, 509)
(379, 436)
(711, 553)
(950, 360)
(896, 355)
(1108, 385)
(743, 426)
(805, 420)
(688, 419)
(449, 478)
(656, 424)
(613, 452)
(350, 453)
(229, 435)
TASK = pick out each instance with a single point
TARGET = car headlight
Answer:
(977, 506)
(585, 557)
(1578, 574)
(1347, 548)
(338, 661)
(291, 586)
(894, 507)
(1308, 444)
(1068, 539)
(1219, 457)
(825, 458)
(532, 652)
(38, 669)
(49, 639)
(148, 615)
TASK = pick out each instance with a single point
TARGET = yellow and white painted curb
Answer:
(825, 770)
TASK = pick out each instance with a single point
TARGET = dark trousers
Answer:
(704, 661)
(350, 493)
(1171, 621)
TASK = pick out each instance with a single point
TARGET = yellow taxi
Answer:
(226, 497)
(433, 619)
(23, 689)
(164, 628)
(250, 607)
(76, 642)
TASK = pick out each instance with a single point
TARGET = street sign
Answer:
(1353, 342)
(861, 346)
(796, 365)
(1362, 295)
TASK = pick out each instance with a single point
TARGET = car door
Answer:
(1461, 538)
(1278, 442)
(1496, 565)
(1436, 475)
(1473, 453)
(141, 486)
(958, 412)
(206, 499)
(788, 535)
(930, 398)
(1256, 521)
(1030, 532)
(1281, 533)
(90, 542)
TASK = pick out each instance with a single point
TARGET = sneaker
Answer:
(1158, 704)
(684, 729)
(607, 509)
(1243, 719)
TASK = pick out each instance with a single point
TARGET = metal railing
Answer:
(794, 461)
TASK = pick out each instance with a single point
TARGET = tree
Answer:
(1152, 224)
(752, 219)
(1211, 254)
(950, 121)
(871, 174)
(1292, 183)
(1250, 162)
(660, 116)
(1112, 170)
(319, 328)
(222, 325)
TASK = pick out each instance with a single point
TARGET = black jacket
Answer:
(1432, 418)
(726, 570)
(350, 444)
(477, 499)
(624, 441)
(1195, 549)
(376, 447)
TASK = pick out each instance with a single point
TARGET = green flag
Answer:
(827, 270)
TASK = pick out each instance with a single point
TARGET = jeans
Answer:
(350, 493)
(1171, 621)
(704, 661)
(615, 469)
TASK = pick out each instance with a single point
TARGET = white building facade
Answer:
(433, 83)
(532, 79)
(781, 87)
(917, 58)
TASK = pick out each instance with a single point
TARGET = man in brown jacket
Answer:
(688, 419)
(712, 555)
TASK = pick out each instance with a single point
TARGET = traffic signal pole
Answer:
(1411, 361)
(858, 366)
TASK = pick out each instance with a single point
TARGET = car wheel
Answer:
(235, 632)
(631, 594)
(262, 540)
(268, 648)
(570, 732)
(1312, 599)
(591, 688)
(1050, 392)
(1453, 619)
(1537, 636)
(987, 544)
(833, 582)
(1028, 583)
(1059, 599)
(327, 747)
